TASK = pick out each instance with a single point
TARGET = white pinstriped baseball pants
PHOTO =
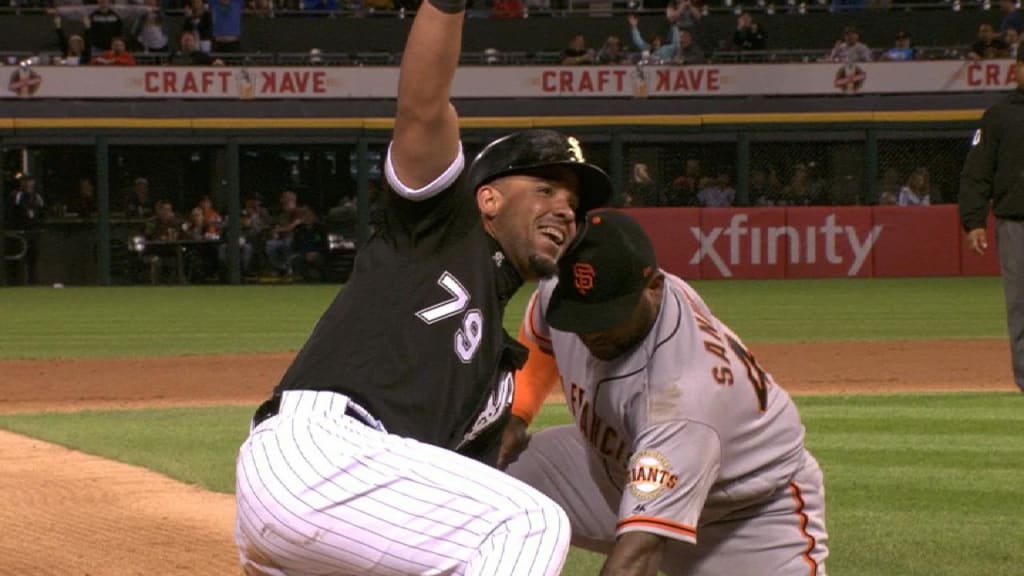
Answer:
(319, 492)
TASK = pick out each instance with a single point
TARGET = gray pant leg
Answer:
(1010, 238)
(558, 463)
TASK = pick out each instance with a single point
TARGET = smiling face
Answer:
(532, 216)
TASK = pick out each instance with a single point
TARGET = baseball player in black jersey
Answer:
(373, 454)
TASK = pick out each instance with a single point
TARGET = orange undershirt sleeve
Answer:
(535, 381)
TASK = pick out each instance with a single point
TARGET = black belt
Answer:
(271, 407)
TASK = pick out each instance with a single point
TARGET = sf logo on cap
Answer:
(583, 277)
(575, 150)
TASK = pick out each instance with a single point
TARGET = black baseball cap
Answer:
(530, 151)
(602, 274)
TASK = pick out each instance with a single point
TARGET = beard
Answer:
(542, 266)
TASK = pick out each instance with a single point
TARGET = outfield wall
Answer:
(813, 242)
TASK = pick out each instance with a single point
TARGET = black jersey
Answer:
(994, 170)
(416, 337)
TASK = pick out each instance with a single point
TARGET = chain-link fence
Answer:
(797, 169)
(759, 168)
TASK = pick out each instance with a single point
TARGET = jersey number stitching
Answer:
(758, 377)
(448, 308)
(470, 335)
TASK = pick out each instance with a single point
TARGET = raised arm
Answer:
(426, 136)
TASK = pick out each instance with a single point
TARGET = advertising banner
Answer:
(749, 243)
(32, 80)
(814, 242)
(917, 241)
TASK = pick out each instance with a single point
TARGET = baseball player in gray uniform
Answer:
(685, 455)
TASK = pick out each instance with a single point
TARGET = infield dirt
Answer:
(68, 513)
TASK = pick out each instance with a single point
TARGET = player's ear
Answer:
(655, 287)
(489, 200)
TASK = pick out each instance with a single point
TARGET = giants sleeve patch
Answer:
(650, 475)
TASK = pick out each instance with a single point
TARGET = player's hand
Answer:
(977, 240)
(514, 440)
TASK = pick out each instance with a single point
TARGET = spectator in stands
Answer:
(28, 205)
(612, 53)
(189, 54)
(1012, 18)
(203, 260)
(165, 225)
(989, 45)
(655, 49)
(149, 30)
(74, 49)
(1012, 39)
(915, 191)
(139, 204)
(214, 221)
(83, 203)
(255, 223)
(118, 55)
(309, 246)
(279, 244)
(889, 187)
(687, 51)
(28, 211)
(344, 218)
(800, 191)
(684, 14)
(764, 186)
(901, 50)
(199, 21)
(103, 25)
(748, 34)
(682, 191)
(577, 52)
(850, 49)
(716, 192)
(227, 25)
(642, 190)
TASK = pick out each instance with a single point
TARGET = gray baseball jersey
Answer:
(689, 430)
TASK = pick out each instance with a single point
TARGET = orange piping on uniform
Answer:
(661, 523)
(811, 542)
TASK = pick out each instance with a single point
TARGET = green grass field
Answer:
(928, 484)
(916, 485)
(144, 321)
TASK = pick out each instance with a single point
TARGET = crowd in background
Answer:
(105, 32)
(287, 241)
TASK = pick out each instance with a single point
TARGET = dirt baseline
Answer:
(67, 513)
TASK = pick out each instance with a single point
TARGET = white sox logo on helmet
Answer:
(575, 149)
(650, 475)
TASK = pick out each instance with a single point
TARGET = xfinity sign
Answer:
(807, 245)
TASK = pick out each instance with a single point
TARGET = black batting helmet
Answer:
(528, 150)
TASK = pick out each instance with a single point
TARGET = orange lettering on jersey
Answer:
(705, 326)
(717, 350)
(722, 375)
(595, 428)
(575, 397)
(605, 439)
(583, 420)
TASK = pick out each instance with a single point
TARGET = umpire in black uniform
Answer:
(374, 455)
(994, 175)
